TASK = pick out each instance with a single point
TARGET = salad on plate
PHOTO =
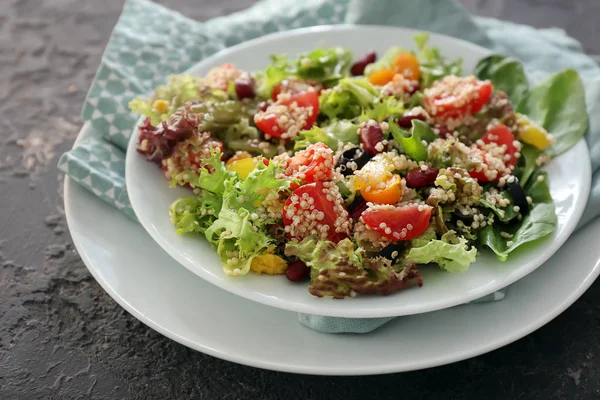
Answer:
(353, 174)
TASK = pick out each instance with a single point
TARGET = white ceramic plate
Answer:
(171, 300)
(150, 196)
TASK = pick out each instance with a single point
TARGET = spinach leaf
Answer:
(529, 155)
(558, 104)
(506, 73)
(540, 222)
(504, 214)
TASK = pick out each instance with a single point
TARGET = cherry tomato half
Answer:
(502, 136)
(268, 120)
(294, 86)
(455, 97)
(401, 223)
(314, 164)
(312, 199)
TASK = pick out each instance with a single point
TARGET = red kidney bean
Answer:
(297, 271)
(444, 131)
(416, 177)
(263, 105)
(358, 68)
(357, 210)
(244, 89)
(370, 135)
(405, 121)
(414, 88)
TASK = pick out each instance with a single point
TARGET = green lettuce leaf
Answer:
(432, 64)
(212, 179)
(331, 134)
(451, 253)
(506, 73)
(412, 141)
(539, 223)
(276, 72)
(385, 107)
(195, 214)
(324, 65)
(558, 105)
(347, 99)
(262, 182)
(237, 240)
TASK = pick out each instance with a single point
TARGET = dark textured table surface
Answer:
(62, 337)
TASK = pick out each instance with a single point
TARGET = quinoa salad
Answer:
(352, 174)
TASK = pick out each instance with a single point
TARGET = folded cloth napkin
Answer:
(149, 42)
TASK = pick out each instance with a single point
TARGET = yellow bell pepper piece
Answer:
(533, 134)
(268, 263)
(160, 106)
(242, 167)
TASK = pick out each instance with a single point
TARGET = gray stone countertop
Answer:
(63, 337)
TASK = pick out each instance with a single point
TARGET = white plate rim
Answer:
(579, 207)
(526, 329)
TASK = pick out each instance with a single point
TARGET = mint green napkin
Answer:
(149, 42)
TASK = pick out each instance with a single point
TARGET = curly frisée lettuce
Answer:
(195, 214)
(237, 240)
(341, 270)
(212, 177)
(451, 252)
(231, 212)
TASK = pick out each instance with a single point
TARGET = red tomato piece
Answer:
(309, 212)
(502, 136)
(399, 223)
(268, 121)
(455, 97)
(294, 86)
(314, 164)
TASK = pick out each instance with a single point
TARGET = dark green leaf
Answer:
(558, 104)
(540, 222)
(506, 73)
(529, 155)
(504, 214)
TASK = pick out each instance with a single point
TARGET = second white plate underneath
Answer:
(170, 299)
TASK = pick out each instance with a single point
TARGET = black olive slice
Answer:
(391, 251)
(353, 159)
(518, 194)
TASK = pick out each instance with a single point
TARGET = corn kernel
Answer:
(242, 167)
(160, 106)
(268, 263)
(533, 134)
